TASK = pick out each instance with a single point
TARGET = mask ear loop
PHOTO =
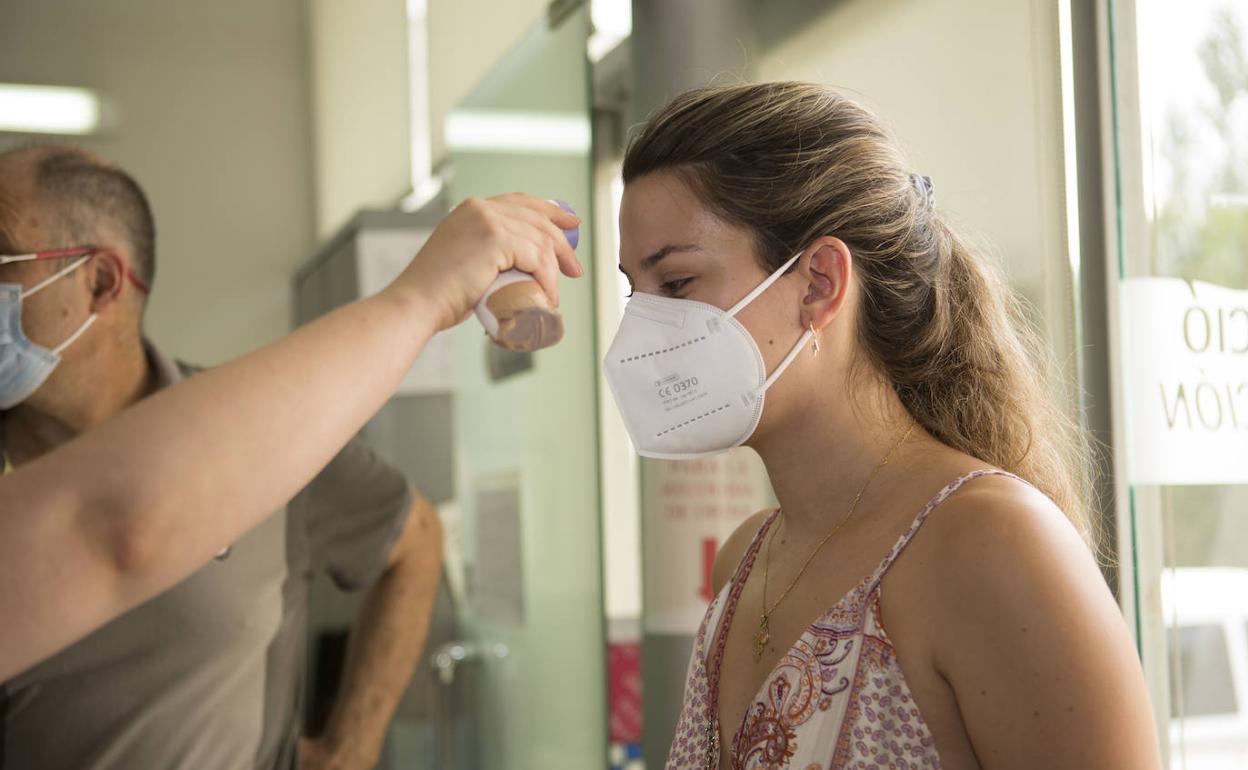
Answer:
(779, 370)
(801, 342)
(55, 277)
(56, 351)
(48, 282)
(762, 287)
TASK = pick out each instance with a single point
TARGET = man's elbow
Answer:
(428, 526)
(419, 549)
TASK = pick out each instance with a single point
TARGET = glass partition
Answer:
(1179, 77)
(527, 440)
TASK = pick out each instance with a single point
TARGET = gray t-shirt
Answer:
(211, 673)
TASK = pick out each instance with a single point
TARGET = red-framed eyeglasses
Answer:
(79, 251)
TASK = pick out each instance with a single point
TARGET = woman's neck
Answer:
(825, 454)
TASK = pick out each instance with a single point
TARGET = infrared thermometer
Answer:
(516, 313)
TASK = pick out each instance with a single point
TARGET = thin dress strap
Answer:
(940, 497)
(755, 543)
(719, 631)
(736, 584)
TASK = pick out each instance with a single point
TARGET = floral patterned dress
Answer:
(837, 700)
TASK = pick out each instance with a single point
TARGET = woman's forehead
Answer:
(657, 212)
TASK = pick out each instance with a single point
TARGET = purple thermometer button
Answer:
(573, 235)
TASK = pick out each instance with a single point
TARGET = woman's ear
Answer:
(827, 266)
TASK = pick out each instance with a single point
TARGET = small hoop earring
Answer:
(814, 339)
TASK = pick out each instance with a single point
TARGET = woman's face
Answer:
(672, 246)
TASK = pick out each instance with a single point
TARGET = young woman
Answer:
(926, 595)
(127, 510)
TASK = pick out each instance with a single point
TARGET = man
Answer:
(210, 673)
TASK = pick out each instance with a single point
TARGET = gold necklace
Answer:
(764, 633)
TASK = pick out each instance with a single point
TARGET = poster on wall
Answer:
(691, 507)
(1186, 348)
(498, 574)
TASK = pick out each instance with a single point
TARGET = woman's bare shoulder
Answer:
(1005, 515)
(1027, 634)
(999, 555)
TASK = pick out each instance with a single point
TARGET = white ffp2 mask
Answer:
(687, 377)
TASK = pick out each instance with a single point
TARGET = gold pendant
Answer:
(761, 638)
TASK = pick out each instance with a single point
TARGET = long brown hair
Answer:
(792, 162)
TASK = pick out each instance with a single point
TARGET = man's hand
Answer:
(318, 754)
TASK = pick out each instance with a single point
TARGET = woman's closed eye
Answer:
(667, 288)
(671, 288)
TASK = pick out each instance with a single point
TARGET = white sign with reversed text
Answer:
(690, 509)
(1186, 348)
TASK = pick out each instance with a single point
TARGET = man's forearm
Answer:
(386, 641)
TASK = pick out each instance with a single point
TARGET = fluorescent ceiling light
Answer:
(501, 131)
(612, 22)
(48, 109)
(602, 43)
(613, 16)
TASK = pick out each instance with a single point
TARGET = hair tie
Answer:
(925, 188)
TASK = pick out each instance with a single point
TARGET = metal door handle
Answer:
(447, 658)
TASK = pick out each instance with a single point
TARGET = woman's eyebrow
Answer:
(654, 259)
(649, 262)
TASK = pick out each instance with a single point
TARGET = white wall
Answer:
(360, 98)
(362, 89)
(211, 102)
(972, 88)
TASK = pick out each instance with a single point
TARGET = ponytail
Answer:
(975, 379)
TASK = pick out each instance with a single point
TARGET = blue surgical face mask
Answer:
(24, 365)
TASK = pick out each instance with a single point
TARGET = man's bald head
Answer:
(83, 200)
